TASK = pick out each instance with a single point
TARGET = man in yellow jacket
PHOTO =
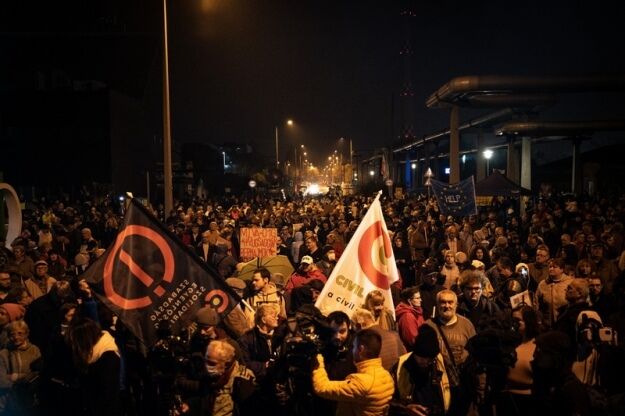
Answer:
(367, 392)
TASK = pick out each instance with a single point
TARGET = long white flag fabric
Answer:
(367, 264)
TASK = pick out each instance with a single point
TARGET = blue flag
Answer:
(457, 199)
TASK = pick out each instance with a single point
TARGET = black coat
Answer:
(100, 388)
(255, 351)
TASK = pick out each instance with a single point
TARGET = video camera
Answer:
(592, 331)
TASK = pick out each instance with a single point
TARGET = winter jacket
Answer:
(550, 296)
(407, 392)
(100, 386)
(478, 314)
(297, 280)
(15, 361)
(270, 294)
(409, 319)
(367, 392)
(256, 350)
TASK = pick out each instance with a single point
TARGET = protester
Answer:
(97, 359)
(366, 392)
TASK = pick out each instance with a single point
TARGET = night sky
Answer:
(238, 67)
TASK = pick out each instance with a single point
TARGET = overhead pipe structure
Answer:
(469, 91)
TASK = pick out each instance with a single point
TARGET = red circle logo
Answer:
(135, 269)
(217, 299)
(367, 240)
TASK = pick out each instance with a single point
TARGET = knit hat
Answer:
(326, 248)
(426, 343)
(81, 259)
(278, 279)
(236, 283)
(14, 311)
(316, 284)
(477, 264)
(207, 316)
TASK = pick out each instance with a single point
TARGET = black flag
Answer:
(147, 276)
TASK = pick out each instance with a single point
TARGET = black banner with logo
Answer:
(147, 276)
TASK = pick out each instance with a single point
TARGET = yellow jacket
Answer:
(367, 392)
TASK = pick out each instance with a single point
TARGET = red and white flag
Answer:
(367, 264)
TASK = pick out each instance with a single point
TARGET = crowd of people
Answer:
(511, 311)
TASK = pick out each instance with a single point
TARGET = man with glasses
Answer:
(472, 305)
(539, 270)
(409, 316)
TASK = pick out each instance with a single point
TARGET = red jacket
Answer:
(409, 319)
(297, 280)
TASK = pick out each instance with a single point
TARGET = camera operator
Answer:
(224, 388)
(556, 389)
(422, 385)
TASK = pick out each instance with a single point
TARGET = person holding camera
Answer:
(365, 392)
(421, 382)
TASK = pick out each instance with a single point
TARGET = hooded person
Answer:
(422, 385)
(409, 314)
(328, 260)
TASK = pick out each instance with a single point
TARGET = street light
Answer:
(289, 123)
(167, 172)
(487, 155)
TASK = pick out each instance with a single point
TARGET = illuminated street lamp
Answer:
(289, 123)
(487, 155)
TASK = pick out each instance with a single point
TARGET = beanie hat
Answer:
(278, 279)
(477, 264)
(327, 248)
(207, 316)
(14, 311)
(426, 342)
(81, 259)
(316, 284)
(235, 283)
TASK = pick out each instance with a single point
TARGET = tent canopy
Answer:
(498, 185)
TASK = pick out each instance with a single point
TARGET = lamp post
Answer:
(167, 174)
(289, 122)
(487, 155)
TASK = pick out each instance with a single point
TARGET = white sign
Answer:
(367, 264)
(522, 298)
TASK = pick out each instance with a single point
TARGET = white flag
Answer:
(367, 264)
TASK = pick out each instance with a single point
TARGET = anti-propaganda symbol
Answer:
(135, 269)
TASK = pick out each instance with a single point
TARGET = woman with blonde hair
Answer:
(374, 302)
